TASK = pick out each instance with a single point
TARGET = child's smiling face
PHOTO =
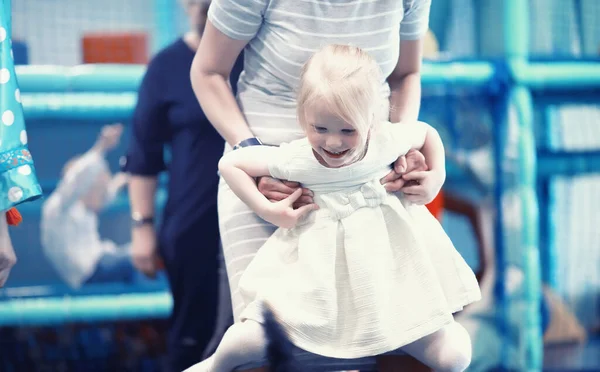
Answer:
(333, 140)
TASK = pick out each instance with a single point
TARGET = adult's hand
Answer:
(8, 259)
(425, 186)
(276, 190)
(144, 250)
(411, 162)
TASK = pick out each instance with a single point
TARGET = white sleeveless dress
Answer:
(365, 274)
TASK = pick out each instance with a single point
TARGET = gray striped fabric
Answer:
(283, 34)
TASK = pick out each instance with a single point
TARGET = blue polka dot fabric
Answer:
(18, 181)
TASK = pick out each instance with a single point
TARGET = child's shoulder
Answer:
(403, 125)
(295, 147)
(386, 131)
(299, 143)
(399, 130)
(396, 138)
(292, 160)
(293, 151)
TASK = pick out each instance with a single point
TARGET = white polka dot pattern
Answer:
(18, 181)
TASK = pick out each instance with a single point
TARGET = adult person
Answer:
(277, 38)
(18, 181)
(167, 114)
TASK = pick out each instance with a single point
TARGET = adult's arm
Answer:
(230, 26)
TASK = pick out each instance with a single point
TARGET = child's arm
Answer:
(240, 167)
(426, 184)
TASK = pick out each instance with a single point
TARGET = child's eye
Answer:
(348, 131)
(320, 129)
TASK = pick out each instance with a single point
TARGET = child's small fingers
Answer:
(305, 209)
(294, 196)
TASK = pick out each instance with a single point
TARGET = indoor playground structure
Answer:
(522, 130)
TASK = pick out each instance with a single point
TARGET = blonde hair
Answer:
(349, 81)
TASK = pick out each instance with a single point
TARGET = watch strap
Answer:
(253, 141)
(138, 220)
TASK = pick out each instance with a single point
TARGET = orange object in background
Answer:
(13, 217)
(436, 207)
(129, 48)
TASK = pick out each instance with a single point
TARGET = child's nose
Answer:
(334, 142)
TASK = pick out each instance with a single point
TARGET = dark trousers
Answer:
(191, 259)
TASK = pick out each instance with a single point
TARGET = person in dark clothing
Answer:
(168, 115)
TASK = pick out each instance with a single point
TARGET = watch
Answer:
(137, 220)
(253, 141)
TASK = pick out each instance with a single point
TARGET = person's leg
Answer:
(244, 342)
(191, 263)
(448, 349)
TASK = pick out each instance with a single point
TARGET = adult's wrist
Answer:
(251, 141)
(139, 220)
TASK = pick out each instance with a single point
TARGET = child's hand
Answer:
(423, 186)
(109, 137)
(283, 214)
